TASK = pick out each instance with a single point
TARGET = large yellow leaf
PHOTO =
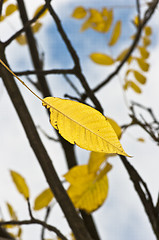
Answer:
(11, 8)
(83, 125)
(20, 184)
(43, 199)
(115, 34)
(102, 59)
(79, 13)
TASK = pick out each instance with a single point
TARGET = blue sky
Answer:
(122, 216)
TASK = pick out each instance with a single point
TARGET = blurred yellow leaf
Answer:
(102, 59)
(108, 17)
(115, 34)
(146, 41)
(11, 8)
(144, 53)
(139, 77)
(20, 183)
(36, 27)
(21, 39)
(89, 194)
(43, 199)
(132, 85)
(11, 211)
(142, 64)
(2, 17)
(83, 125)
(148, 30)
(87, 24)
(122, 55)
(141, 139)
(38, 10)
(95, 160)
(79, 12)
(136, 20)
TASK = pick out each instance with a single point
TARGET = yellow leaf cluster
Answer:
(82, 125)
(141, 60)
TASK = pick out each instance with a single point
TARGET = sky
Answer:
(122, 216)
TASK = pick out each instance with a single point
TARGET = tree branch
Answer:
(35, 221)
(44, 160)
(144, 195)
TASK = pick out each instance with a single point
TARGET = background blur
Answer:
(122, 216)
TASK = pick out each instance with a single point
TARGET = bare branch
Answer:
(34, 221)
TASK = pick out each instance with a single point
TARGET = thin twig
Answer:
(35, 221)
(45, 72)
(144, 195)
(72, 85)
(45, 220)
(138, 10)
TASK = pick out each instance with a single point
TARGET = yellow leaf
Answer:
(108, 17)
(79, 12)
(20, 183)
(148, 30)
(83, 125)
(142, 64)
(95, 15)
(139, 77)
(132, 85)
(136, 20)
(43, 199)
(115, 34)
(141, 139)
(104, 171)
(144, 53)
(11, 8)
(101, 58)
(95, 160)
(36, 27)
(87, 24)
(2, 18)
(21, 39)
(146, 41)
(89, 195)
(38, 10)
(78, 175)
(122, 55)
(11, 211)
(116, 127)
